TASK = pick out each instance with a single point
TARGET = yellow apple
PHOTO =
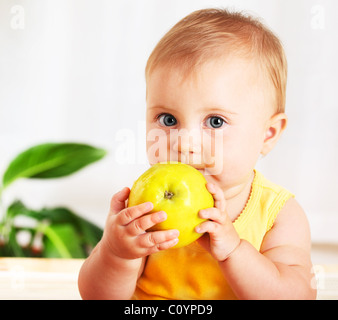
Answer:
(179, 190)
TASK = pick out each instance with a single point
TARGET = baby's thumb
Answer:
(118, 201)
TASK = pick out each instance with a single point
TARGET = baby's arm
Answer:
(112, 269)
(282, 267)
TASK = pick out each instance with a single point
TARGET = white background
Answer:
(73, 70)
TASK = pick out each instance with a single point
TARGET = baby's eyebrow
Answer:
(221, 110)
(207, 109)
(161, 107)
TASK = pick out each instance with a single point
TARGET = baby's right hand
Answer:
(125, 231)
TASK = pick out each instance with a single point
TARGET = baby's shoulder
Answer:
(291, 226)
(272, 197)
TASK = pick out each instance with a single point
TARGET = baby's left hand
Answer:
(221, 238)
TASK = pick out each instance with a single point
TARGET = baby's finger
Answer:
(213, 214)
(218, 195)
(156, 238)
(127, 215)
(163, 246)
(118, 200)
(207, 226)
(140, 225)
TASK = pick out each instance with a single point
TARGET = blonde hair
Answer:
(212, 33)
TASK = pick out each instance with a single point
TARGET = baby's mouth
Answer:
(196, 161)
(206, 169)
(197, 166)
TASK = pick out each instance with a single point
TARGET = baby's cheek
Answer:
(214, 151)
(158, 147)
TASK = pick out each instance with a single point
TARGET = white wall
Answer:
(73, 70)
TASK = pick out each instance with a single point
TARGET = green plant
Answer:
(51, 232)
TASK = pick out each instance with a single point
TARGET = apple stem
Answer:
(168, 195)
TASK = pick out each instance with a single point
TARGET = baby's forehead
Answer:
(229, 67)
(230, 79)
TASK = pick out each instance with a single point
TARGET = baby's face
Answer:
(215, 119)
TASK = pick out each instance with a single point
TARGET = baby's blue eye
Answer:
(215, 122)
(167, 120)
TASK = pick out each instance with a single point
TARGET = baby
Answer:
(215, 100)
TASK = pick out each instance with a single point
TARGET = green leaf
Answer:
(17, 208)
(51, 160)
(86, 234)
(90, 232)
(13, 248)
(53, 215)
(62, 241)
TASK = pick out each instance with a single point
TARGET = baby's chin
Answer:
(210, 173)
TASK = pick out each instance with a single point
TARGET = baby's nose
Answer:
(186, 148)
(187, 143)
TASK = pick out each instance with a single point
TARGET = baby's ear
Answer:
(275, 126)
